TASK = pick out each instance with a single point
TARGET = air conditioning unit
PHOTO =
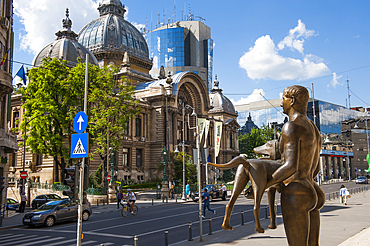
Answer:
(11, 169)
(125, 138)
(28, 163)
(142, 139)
(4, 22)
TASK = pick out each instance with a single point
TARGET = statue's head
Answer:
(299, 96)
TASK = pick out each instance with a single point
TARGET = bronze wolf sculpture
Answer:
(257, 171)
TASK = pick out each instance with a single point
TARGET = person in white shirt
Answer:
(224, 192)
(343, 194)
(131, 199)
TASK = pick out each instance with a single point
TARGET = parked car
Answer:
(42, 199)
(361, 180)
(12, 204)
(56, 211)
(213, 191)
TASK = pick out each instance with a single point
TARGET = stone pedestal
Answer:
(165, 190)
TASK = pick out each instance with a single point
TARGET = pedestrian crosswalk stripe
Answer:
(79, 149)
(62, 242)
(43, 241)
(84, 243)
(6, 236)
(105, 244)
(23, 240)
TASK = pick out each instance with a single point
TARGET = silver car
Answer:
(56, 211)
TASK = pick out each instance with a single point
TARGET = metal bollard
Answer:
(329, 196)
(242, 218)
(190, 232)
(136, 241)
(152, 202)
(103, 202)
(97, 202)
(176, 198)
(162, 199)
(166, 199)
(266, 214)
(210, 226)
(166, 238)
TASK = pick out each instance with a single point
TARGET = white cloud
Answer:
(334, 82)
(43, 18)
(264, 61)
(292, 40)
(256, 96)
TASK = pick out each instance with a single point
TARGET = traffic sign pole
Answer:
(82, 168)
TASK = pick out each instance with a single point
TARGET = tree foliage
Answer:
(190, 168)
(255, 138)
(59, 90)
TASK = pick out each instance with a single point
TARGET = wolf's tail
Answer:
(233, 163)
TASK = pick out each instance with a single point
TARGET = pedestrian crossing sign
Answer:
(80, 145)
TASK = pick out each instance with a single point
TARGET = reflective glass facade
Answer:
(166, 47)
(328, 116)
(208, 58)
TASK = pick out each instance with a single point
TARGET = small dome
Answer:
(65, 46)
(110, 32)
(218, 101)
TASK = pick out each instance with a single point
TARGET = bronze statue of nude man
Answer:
(300, 145)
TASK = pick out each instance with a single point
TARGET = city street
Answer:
(107, 226)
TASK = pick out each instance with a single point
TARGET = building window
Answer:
(231, 140)
(138, 127)
(127, 178)
(139, 157)
(125, 157)
(140, 179)
(37, 159)
(15, 119)
(125, 129)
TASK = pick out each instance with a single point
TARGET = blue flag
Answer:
(22, 74)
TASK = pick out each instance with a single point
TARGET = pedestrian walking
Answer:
(187, 190)
(172, 191)
(344, 194)
(119, 198)
(22, 206)
(224, 192)
(206, 203)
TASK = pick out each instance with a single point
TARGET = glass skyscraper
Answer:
(182, 46)
(328, 116)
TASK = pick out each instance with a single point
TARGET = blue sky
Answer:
(261, 47)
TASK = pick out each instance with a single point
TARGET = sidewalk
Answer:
(340, 225)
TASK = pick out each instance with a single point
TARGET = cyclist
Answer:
(131, 199)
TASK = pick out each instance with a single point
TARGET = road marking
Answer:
(4, 241)
(24, 240)
(64, 242)
(84, 243)
(105, 244)
(3, 237)
(42, 241)
(107, 235)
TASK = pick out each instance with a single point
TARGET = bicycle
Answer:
(128, 209)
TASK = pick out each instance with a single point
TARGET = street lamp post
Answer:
(198, 167)
(24, 145)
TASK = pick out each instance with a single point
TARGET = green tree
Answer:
(255, 138)
(59, 90)
(190, 168)
(48, 91)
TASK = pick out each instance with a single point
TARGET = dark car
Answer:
(213, 191)
(55, 212)
(361, 180)
(42, 199)
(12, 204)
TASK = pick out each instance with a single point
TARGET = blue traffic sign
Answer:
(80, 145)
(80, 122)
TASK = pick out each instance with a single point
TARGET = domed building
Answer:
(65, 46)
(160, 123)
(110, 36)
